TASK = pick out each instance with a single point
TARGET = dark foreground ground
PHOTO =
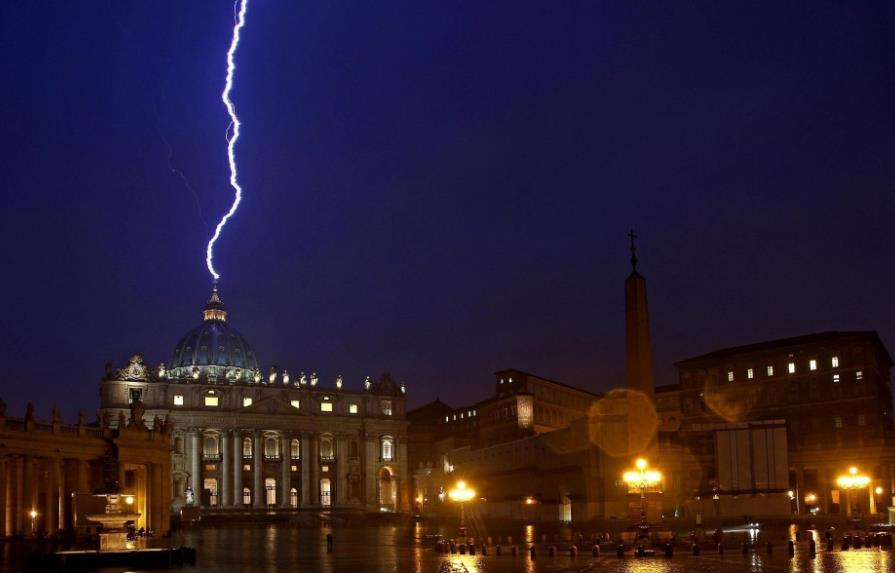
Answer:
(384, 547)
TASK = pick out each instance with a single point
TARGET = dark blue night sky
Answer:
(440, 190)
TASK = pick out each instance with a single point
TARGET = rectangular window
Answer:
(246, 402)
(295, 403)
(135, 395)
(812, 364)
(178, 399)
(770, 370)
(862, 420)
(730, 376)
(835, 378)
(352, 409)
(859, 375)
(246, 467)
(211, 401)
(294, 468)
(792, 367)
(324, 469)
(749, 374)
(834, 362)
(326, 406)
(386, 407)
(837, 421)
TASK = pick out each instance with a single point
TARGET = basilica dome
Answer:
(214, 350)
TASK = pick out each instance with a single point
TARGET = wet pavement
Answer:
(407, 548)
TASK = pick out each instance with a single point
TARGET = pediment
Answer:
(271, 405)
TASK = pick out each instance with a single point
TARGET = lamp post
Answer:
(33, 515)
(642, 478)
(851, 482)
(461, 494)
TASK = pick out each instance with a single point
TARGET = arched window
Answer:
(387, 448)
(178, 444)
(210, 492)
(247, 448)
(388, 493)
(325, 492)
(270, 487)
(271, 448)
(210, 446)
(293, 497)
(326, 448)
(295, 449)
(246, 496)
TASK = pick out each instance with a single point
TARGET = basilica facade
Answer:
(243, 440)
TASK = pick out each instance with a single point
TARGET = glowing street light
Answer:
(853, 481)
(642, 478)
(461, 494)
(33, 515)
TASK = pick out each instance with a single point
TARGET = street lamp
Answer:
(642, 478)
(33, 515)
(461, 494)
(852, 481)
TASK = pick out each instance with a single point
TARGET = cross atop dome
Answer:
(214, 308)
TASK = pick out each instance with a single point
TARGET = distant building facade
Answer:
(46, 465)
(244, 441)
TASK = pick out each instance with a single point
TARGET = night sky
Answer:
(439, 190)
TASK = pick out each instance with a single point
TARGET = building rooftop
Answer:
(791, 342)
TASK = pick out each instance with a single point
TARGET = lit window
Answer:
(447, 418)
(861, 420)
(294, 468)
(247, 447)
(730, 376)
(295, 403)
(835, 378)
(178, 399)
(792, 367)
(770, 370)
(211, 401)
(324, 469)
(294, 450)
(461, 415)
(511, 381)
(501, 380)
(859, 375)
(246, 496)
(750, 374)
(837, 421)
(387, 447)
(246, 402)
(387, 408)
(812, 364)
(326, 406)
(455, 417)
(352, 409)
(246, 467)
(834, 362)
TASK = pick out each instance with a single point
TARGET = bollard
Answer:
(791, 548)
(595, 550)
(620, 551)
(462, 549)
(329, 542)
(497, 550)
(532, 551)
(695, 549)
(453, 546)
(573, 551)
(845, 543)
(720, 549)
(745, 547)
(770, 548)
(484, 550)
(812, 547)
(472, 549)
(551, 551)
(514, 551)
(580, 540)
(856, 542)
(640, 551)
(669, 549)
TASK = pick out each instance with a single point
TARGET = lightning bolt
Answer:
(232, 133)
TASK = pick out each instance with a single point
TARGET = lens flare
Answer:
(232, 133)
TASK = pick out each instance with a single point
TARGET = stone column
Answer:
(305, 467)
(404, 494)
(83, 477)
(51, 507)
(18, 515)
(259, 494)
(286, 467)
(29, 492)
(371, 465)
(341, 481)
(226, 469)
(313, 462)
(195, 467)
(4, 481)
(237, 468)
